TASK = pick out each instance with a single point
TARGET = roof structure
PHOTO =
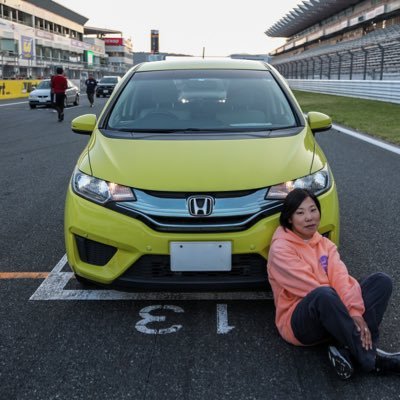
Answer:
(90, 30)
(60, 10)
(306, 14)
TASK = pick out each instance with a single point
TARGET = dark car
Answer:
(106, 85)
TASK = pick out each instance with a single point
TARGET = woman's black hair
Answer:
(292, 203)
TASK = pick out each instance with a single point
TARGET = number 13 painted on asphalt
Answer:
(147, 318)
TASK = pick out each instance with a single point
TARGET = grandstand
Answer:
(339, 39)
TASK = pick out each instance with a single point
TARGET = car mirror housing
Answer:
(319, 122)
(84, 124)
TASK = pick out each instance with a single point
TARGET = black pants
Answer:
(90, 96)
(321, 315)
(60, 99)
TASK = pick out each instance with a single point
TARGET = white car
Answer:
(41, 95)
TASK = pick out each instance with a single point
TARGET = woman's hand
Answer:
(365, 333)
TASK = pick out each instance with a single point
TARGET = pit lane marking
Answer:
(23, 275)
(53, 288)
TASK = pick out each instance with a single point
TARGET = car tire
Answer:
(97, 95)
(76, 102)
(32, 106)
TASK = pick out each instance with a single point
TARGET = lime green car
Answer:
(183, 178)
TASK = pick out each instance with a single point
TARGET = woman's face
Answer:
(305, 220)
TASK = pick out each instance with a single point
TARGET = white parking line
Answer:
(13, 104)
(52, 288)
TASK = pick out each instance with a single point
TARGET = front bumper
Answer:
(104, 91)
(109, 247)
(40, 103)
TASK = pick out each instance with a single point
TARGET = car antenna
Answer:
(204, 50)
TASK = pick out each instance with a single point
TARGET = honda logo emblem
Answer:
(200, 206)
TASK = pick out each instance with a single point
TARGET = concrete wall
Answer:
(13, 89)
(388, 91)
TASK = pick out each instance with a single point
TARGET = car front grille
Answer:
(170, 212)
(154, 272)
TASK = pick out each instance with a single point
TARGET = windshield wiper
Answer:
(243, 130)
(177, 130)
(132, 130)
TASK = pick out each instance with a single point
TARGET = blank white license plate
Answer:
(201, 256)
(105, 91)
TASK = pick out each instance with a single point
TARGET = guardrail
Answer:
(388, 91)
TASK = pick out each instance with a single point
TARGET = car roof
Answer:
(202, 63)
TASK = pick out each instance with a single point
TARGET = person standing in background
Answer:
(91, 84)
(59, 85)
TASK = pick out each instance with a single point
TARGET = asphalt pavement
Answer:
(171, 346)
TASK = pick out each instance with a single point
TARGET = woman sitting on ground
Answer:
(317, 300)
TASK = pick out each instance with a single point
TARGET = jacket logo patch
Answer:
(324, 263)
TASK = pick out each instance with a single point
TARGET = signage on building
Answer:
(88, 57)
(114, 41)
(315, 35)
(154, 42)
(81, 45)
(335, 28)
(375, 12)
(26, 47)
(44, 35)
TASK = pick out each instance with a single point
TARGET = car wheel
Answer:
(32, 105)
(97, 95)
(76, 102)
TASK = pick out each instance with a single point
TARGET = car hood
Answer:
(40, 92)
(203, 165)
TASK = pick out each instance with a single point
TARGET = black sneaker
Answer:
(387, 363)
(340, 363)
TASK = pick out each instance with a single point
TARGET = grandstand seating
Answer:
(376, 55)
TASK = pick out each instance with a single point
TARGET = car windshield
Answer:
(44, 85)
(109, 80)
(201, 100)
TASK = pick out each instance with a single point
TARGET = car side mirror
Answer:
(84, 124)
(319, 122)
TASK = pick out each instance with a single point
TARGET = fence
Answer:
(388, 91)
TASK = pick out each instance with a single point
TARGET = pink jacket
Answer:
(296, 267)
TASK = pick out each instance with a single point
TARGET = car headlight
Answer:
(98, 190)
(316, 183)
(32, 97)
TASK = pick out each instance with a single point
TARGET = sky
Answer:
(221, 27)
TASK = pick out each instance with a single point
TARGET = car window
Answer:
(109, 80)
(44, 85)
(231, 100)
